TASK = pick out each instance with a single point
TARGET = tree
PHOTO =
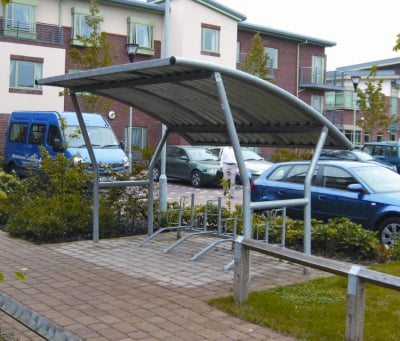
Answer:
(256, 61)
(95, 53)
(397, 46)
(5, 2)
(372, 105)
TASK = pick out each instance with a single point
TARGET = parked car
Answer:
(254, 162)
(367, 193)
(355, 155)
(385, 151)
(190, 163)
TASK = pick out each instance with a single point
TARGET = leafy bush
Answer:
(338, 237)
(56, 204)
(283, 155)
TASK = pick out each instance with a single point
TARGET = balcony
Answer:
(317, 78)
(38, 32)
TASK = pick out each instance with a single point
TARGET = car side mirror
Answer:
(57, 145)
(355, 188)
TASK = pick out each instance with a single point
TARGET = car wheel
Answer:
(156, 173)
(11, 168)
(389, 231)
(196, 179)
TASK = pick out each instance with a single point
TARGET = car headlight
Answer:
(211, 171)
(76, 160)
(126, 162)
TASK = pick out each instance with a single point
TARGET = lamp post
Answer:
(355, 80)
(131, 51)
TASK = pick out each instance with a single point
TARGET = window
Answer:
(24, 71)
(238, 52)
(140, 31)
(139, 137)
(273, 55)
(318, 70)
(36, 134)
(20, 19)
(80, 27)
(298, 174)
(337, 178)
(317, 103)
(339, 99)
(53, 136)
(18, 132)
(210, 36)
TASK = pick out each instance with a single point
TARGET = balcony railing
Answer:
(39, 32)
(317, 78)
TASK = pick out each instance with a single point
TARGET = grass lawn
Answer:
(316, 309)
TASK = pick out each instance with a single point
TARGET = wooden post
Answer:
(241, 281)
(355, 306)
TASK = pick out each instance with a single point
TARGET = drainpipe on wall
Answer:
(298, 66)
(59, 12)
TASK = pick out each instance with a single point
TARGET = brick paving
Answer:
(116, 290)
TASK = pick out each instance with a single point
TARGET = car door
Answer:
(287, 182)
(332, 198)
(180, 164)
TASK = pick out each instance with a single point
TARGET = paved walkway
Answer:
(116, 290)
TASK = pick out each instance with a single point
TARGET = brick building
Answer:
(37, 35)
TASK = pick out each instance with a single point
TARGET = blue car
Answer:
(367, 193)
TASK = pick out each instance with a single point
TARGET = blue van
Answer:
(59, 132)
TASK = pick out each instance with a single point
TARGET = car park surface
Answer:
(254, 163)
(190, 163)
(367, 193)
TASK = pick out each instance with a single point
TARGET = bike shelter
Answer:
(208, 104)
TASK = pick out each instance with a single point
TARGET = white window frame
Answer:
(141, 32)
(273, 54)
(15, 27)
(17, 67)
(210, 39)
(79, 26)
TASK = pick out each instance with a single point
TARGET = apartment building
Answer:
(341, 104)
(36, 37)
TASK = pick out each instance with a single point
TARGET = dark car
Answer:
(189, 163)
(385, 151)
(355, 155)
(367, 193)
(254, 163)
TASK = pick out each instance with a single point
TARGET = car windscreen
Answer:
(379, 179)
(250, 155)
(99, 137)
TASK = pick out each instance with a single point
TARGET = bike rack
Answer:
(271, 221)
(221, 232)
(178, 224)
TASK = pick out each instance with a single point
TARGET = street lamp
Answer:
(355, 80)
(131, 51)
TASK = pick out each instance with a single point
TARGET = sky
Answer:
(364, 31)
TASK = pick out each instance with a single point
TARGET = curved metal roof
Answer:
(184, 95)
